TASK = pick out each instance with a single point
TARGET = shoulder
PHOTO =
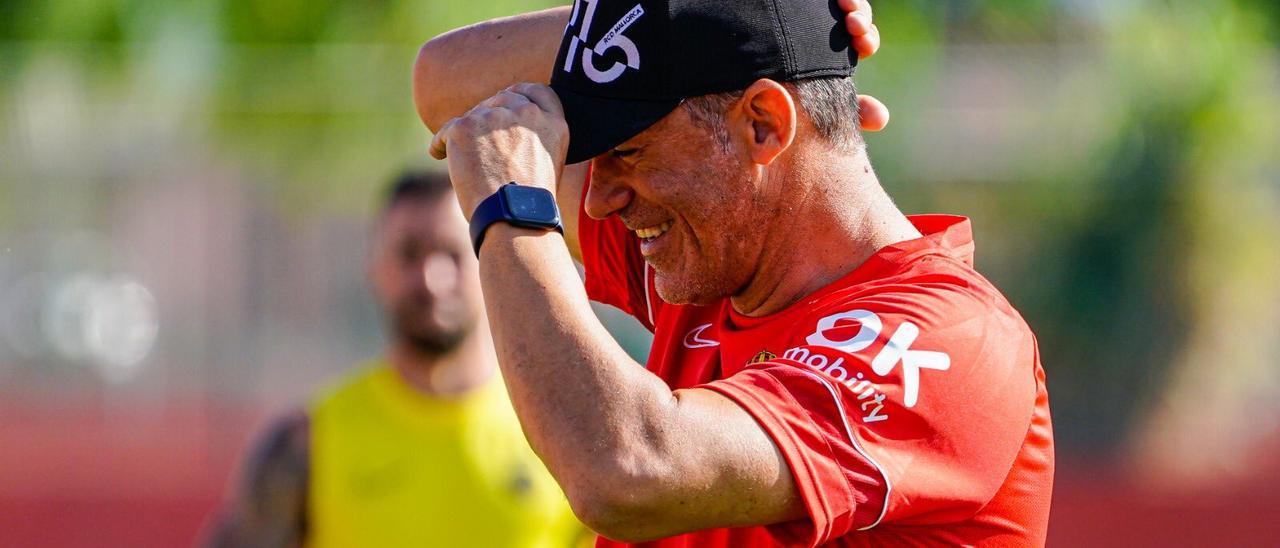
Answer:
(269, 505)
(282, 450)
(937, 297)
(928, 334)
(350, 388)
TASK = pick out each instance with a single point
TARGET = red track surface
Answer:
(77, 477)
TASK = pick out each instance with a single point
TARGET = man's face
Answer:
(424, 275)
(677, 176)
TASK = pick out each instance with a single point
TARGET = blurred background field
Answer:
(186, 189)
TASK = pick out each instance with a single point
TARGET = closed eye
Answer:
(624, 153)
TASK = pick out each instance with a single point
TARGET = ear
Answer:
(764, 120)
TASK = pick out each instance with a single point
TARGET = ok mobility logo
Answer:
(897, 351)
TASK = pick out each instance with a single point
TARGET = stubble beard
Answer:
(708, 280)
(431, 342)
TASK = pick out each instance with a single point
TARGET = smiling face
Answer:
(700, 208)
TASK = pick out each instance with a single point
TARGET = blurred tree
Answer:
(1268, 16)
(66, 20)
(1132, 298)
(1222, 394)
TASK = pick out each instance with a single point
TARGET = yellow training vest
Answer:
(392, 467)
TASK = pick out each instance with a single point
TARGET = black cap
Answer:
(625, 64)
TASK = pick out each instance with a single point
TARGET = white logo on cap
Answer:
(612, 39)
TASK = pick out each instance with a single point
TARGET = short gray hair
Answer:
(830, 102)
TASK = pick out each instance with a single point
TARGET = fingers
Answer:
(867, 44)
(541, 95)
(861, 26)
(849, 6)
(873, 115)
(514, 98)
(506, 98)
(858, 24)
(518, 95)
(440, 142)
(862, 7)
(866, 35)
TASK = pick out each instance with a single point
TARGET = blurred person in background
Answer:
(419, 447)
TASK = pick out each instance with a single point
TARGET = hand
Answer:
(866, 41)
(517, 135)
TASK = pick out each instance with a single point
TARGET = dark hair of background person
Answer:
(417, 185)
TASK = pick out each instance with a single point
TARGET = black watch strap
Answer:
(496, 209)
(488, 212)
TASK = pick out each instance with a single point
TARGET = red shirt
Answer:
(907, 397)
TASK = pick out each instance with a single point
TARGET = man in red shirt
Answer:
(824, 368)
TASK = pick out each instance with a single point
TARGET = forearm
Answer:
(458, 69)
(633, 456)
(581, 399)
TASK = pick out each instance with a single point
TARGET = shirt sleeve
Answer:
(616, 273)
(919, 425)
(842, 488)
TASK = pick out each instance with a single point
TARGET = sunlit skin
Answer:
(671, 172)
(735, 210)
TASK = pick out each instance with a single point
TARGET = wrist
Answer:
(474, 198)
(527, 207)
(502, 235)
(471, 200)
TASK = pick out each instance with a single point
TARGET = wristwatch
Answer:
(517, 205)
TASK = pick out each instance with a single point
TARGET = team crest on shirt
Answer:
(762, 357)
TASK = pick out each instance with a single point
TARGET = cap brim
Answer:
(597, 124)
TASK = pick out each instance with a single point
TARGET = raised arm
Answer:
(269, 508)
(460, 68)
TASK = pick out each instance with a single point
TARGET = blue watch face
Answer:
(533, 205)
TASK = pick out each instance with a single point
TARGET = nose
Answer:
(606, 195)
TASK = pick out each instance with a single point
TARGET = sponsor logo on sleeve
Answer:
(855, 331)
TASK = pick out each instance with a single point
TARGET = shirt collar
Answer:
(948, 235)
